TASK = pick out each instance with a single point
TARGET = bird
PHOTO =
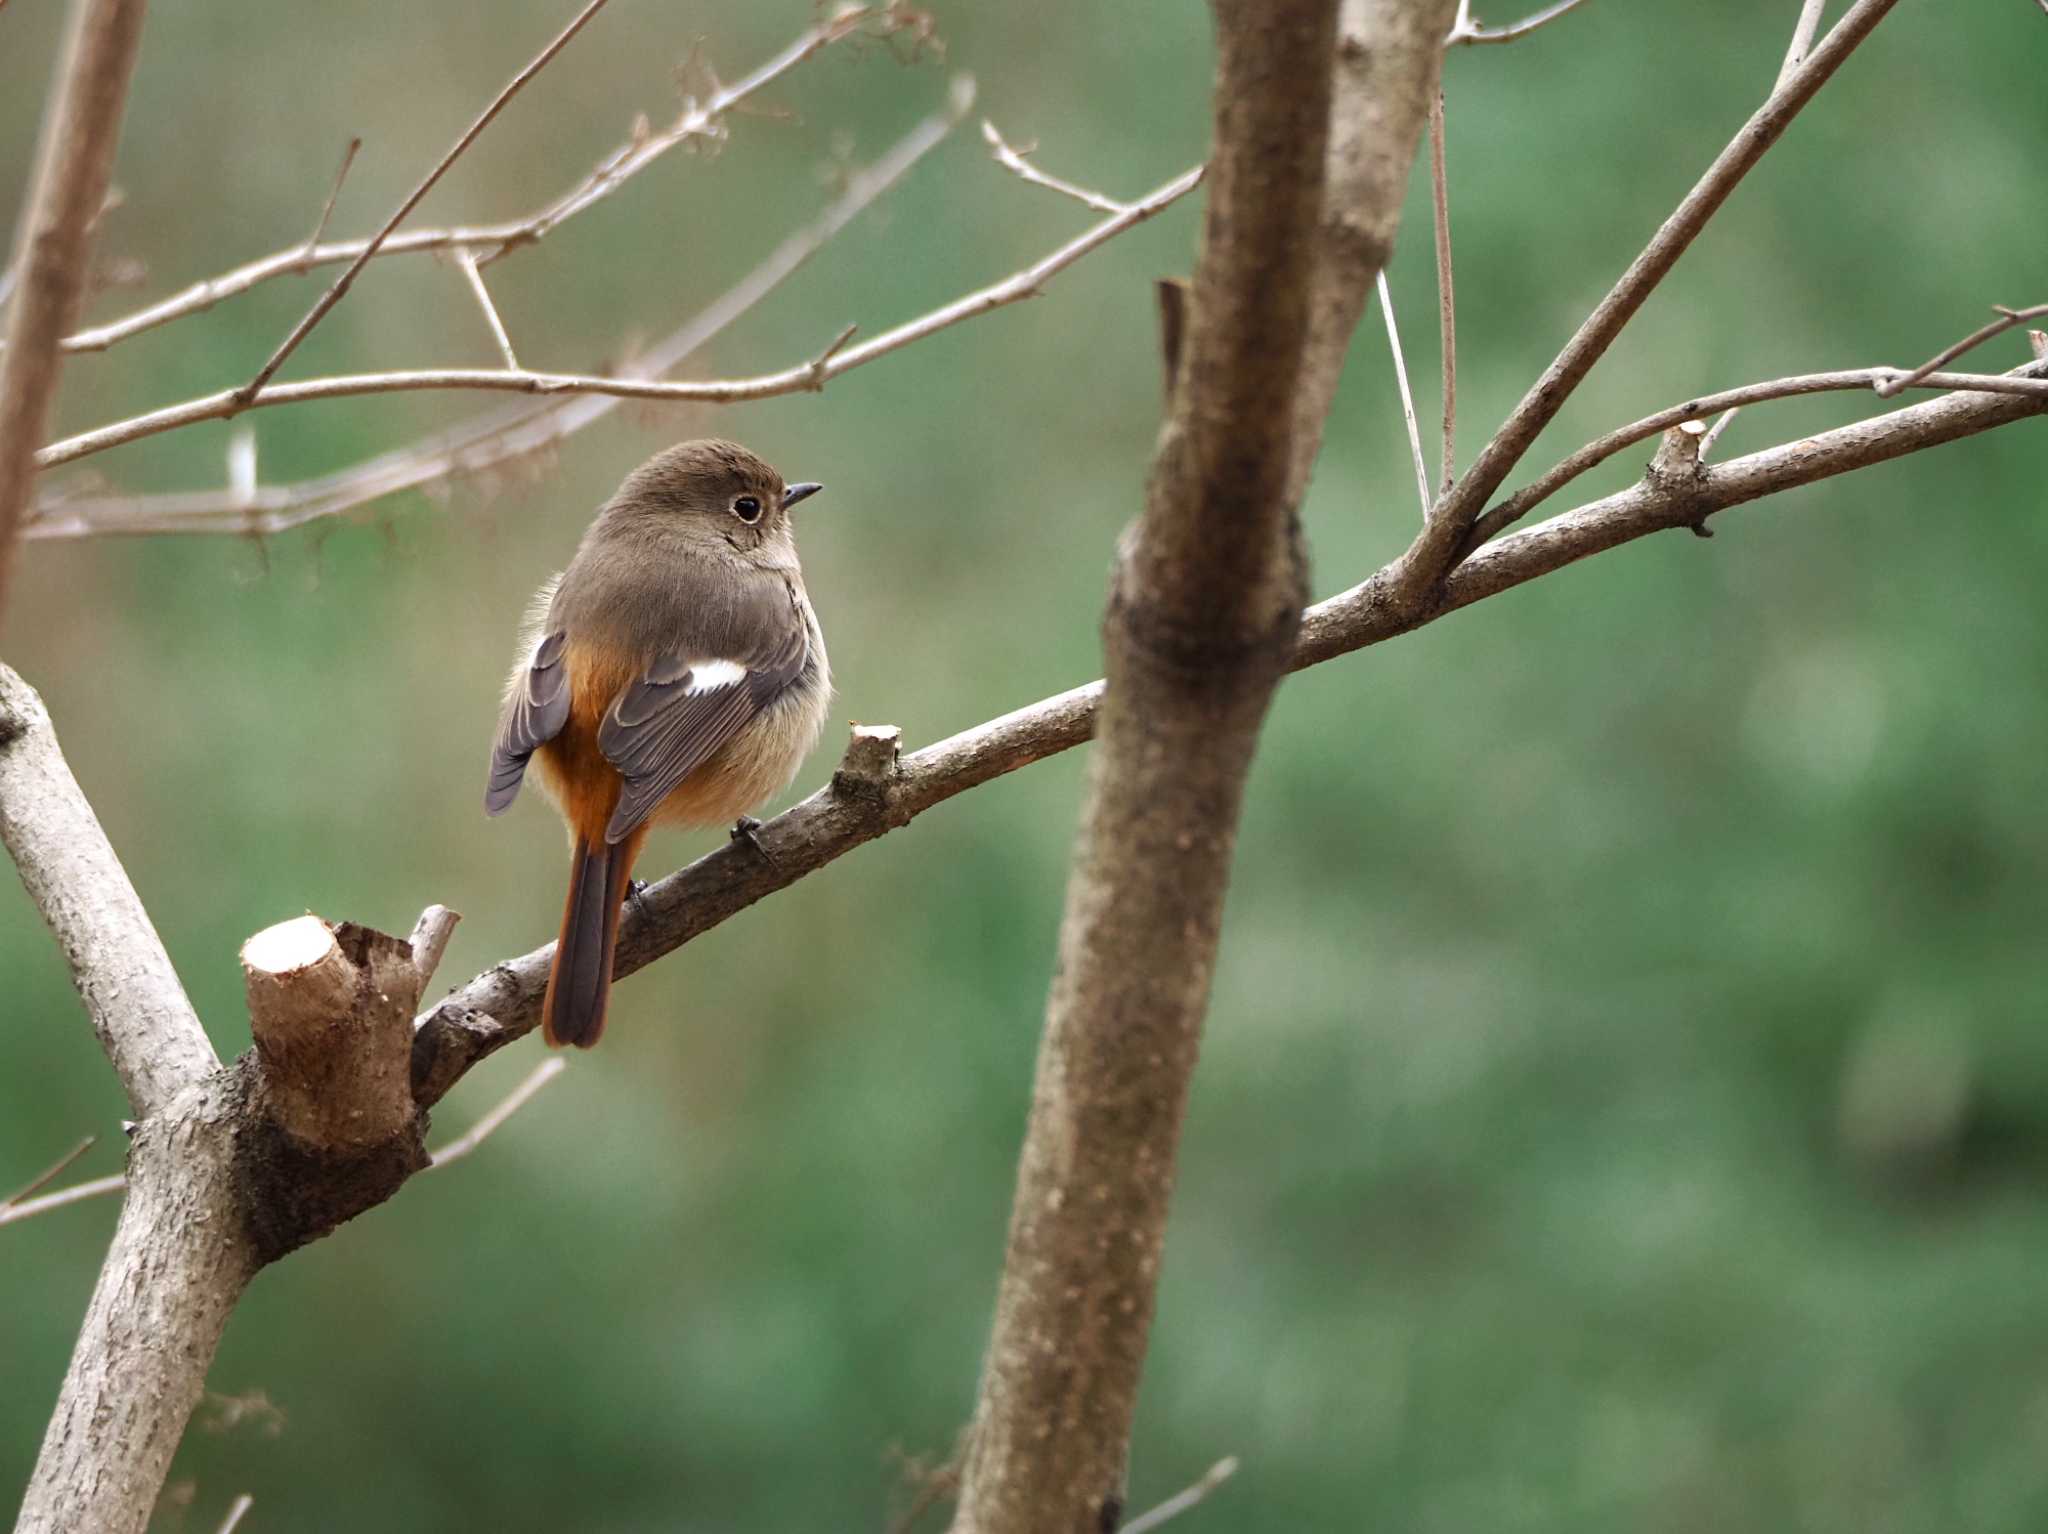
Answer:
(673, 674)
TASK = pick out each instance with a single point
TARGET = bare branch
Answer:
(1803, 32)
(1433, 553)
(1180, 1502)
(138, 1009)
(429, 940)
(492, 241)
(348, 159)
(1013, 161)
(514, 1100)
(501, 434)
(22, 1207)
(1714, 432)
(241, 1506)
(346, 280)
(1598, 451)
(1465, 31)
(802, 377)
(50, 1173)
(502, 1004)
(77, 1193)
(466, 259)
(74, 164)
(2007, 319)
(1407, 396)
(1447, 308)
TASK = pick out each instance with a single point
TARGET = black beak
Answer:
(797, 493)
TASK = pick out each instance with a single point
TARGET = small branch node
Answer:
(1677, 461)
(819, 370)
(869, 764)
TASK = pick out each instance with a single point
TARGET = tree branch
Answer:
(491, 242)
(1446, 534)
(74, 164)
(802, 377)
(339, 289)
(499, 435)
(139, 1010)
(502, 1004)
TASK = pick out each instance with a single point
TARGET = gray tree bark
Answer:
(1205, 601)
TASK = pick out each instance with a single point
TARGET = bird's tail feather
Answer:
(580, 982)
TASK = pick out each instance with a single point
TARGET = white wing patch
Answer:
(710, 675)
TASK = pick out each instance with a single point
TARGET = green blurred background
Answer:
(1625, 1105)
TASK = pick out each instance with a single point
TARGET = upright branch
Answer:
(132, 995)
(1204, 603)
(74, 165)
(1444, 539)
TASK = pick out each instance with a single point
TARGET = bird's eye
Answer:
(747, 509)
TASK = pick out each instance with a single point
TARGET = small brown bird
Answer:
(674, 674)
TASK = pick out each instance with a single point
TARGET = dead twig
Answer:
(1447, 308)
(1466, 31)
(50, 1173)
(1013, 161)
(1180, 1502)
(339, 289)
(2007, 319)
(805, 375)
(1407, 396)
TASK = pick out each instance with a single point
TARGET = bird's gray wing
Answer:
(536, 708)
(675, 715)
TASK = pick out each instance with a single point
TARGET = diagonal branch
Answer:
(1465, 31)
(1433, 553)
(803, 377)
(502, 434)
(138, 1008)
(74, 164)
(699, 119)
(339, 289)
(875, 792)
(1598, 451)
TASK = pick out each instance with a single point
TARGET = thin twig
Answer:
(1180, 1502)
(341, 284)
(242, 1505)
(1407, 398)
(1447, 307)
(1714, 432)
(77, 1193)
(501, 434)
(516, 1099)
(2007, 320)
(492, 241)
(348, 158)
(1446, 535)
(1465, 31)
(1600, 449)
(1802, 40)
(804, 376)
(53, 237)
(503, 1003)
(23, 1208)
(50, 1173)
(466, 259)
(1013, 161)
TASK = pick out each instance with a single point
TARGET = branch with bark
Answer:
(1318, 114)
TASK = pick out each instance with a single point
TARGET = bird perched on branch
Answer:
(674, 674)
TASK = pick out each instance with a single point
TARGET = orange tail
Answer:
(580, 983)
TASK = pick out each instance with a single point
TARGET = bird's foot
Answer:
(636, 898)
(747, 829)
